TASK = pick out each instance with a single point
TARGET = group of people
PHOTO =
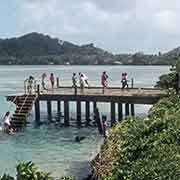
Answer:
(104, 80)
(83, 81)
(81, 78)
(51, 79)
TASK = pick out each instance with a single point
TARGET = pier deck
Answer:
(117, 98)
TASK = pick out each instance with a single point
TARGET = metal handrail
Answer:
(23, 104)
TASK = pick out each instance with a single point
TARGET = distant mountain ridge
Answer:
(37, 48)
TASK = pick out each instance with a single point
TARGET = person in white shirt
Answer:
(7, 122)
(85, 78)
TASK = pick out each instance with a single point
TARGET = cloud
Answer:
(118, 25)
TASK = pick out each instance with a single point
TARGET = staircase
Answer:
(23, 108)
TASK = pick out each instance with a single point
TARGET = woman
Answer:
(104, 81)
(52, 80)
(7, 122)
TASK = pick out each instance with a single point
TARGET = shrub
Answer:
(143, 148)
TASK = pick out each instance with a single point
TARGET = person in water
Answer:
(104, 81)
(52, 80)
(7, 122)
(79, 138)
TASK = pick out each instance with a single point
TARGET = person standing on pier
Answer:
(43, 81)
(74, 83)
(82, 83)
(52, 80)
(74, 80)
(104, 81)
(85, 78)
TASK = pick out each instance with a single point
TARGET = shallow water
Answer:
(53, 147)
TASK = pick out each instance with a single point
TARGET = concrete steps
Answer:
(23, 107)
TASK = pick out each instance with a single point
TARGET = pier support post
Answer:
(87, 113)
(66, 113)
(120, 112)
(132, 82)
(59, 110)
(94, 106)
(57, 82)
(132, 110)
(127, 109)
(49, 110)
(37, 112)
(113, 113)
(78, 113)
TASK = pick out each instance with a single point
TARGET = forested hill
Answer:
(36, 48)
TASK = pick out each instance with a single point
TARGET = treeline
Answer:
(36, 48)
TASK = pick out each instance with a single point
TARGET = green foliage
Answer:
(166, 81)
(6, 177)
(28, 171)
(67, 178)
(143, 148)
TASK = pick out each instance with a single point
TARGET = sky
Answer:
(119, 26)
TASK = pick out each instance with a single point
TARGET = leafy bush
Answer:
(6, 177)
(143, 149)
(29, 171)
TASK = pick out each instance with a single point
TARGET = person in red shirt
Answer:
(104, 81)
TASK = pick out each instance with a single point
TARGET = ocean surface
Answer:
(53, 147)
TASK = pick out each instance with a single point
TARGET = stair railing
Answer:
(23, 104)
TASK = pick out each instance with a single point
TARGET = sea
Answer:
(50, 146)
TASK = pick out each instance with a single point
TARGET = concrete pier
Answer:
(115, 96)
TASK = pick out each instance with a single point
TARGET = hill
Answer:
(37, 48)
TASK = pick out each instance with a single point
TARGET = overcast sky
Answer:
(118, 25)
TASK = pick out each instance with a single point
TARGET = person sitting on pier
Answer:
(52, 80)
(104, 81)
(84, 77)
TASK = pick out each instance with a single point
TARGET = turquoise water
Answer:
(52, 147)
